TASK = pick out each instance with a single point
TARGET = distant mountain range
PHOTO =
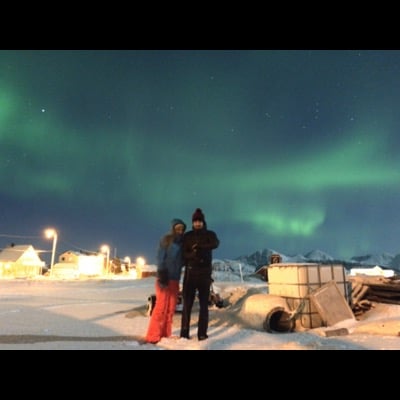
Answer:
(384, 260)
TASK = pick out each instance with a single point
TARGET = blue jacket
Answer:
(169, 253)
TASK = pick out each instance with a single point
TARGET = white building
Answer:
(73, 264)
(20, 261)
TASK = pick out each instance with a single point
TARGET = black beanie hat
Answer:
(198, 215)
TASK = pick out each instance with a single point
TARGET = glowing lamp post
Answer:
(106, 249)
(51, 233)
(140, 261)
(128, 263)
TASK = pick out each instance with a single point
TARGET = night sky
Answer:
(291, 150)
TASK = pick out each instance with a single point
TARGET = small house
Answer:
(73, 264)
(20, 261)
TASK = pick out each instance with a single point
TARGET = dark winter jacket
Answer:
(169, 254)
(197, 249)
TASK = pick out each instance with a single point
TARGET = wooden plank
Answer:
(360, 295)
(336, 332)
(377, 299)
(331, 304)
(383, 293)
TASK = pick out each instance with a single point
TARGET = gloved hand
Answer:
(195, 246)
(163, 278)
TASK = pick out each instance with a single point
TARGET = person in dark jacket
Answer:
(169, 269)
(197, 253)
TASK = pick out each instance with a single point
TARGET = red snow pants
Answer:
(161, 319)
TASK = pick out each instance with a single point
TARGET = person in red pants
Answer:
(169, 269)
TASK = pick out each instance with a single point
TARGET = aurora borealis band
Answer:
(292, 150)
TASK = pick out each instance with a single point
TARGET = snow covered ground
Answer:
(111, 314)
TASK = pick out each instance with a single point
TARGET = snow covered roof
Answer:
(14, 253)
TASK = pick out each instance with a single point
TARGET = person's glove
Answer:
(195, 246)
(163, 278)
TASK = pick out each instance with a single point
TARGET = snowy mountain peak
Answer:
(318, 255)
(262, 257)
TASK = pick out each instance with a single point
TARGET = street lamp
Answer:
(51, 233)
(106, 249)
(140, 261)
(128, 263)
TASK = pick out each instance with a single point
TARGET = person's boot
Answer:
(185, 333)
